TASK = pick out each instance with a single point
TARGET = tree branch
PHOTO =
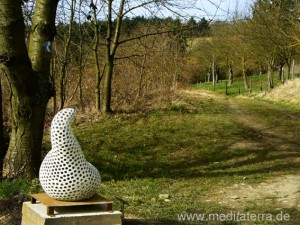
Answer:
(139, 6)
(147, 35)
(129, 56)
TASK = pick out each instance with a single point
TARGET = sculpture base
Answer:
(66, 213)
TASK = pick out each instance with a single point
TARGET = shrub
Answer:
(21, 186)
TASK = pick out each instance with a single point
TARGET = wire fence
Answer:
(254, 84)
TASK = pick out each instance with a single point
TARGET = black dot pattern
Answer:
(65, 174)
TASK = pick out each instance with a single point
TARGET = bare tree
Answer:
(272, 19)
(66, 40)
(95, 48)
(113, 34)
(2, 149)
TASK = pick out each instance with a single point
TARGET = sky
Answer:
(210, 9)
(221, 9)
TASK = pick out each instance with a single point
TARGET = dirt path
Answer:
(266, 134)
(280, 192)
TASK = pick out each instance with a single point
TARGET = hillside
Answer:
(288, 92)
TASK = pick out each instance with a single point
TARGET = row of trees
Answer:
(263, 42)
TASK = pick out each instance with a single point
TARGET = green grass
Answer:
(256, 85)
(276, 114)
(188, 151)
(159, 144)
(19, 187)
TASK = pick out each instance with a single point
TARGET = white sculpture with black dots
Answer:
(65, 174)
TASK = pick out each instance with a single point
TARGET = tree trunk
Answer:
(112, 44)
(62, 88)
(230, 74)
(80, 94)
(293, 69)
(281, 75)
(289, 70)
(28, 73)
(244, 74)
(141, 77)
(245, 79)
(106, 106)
(98, 81)
(96, 57)
(209, 75)
(2, 149)
(53, 77)
(213, 70)
(260, 70)
(217, 73)
(81, 53)
(213, 73)
(65, 60)
(270, 76)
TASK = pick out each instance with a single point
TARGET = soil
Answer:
(280, 192)
(11, 211)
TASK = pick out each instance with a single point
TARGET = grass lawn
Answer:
(191, 152)
(205, 153)
(256, 84)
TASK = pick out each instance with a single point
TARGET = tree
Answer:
(225, 40)
(273, 19)
(197, 29)
(80, 58)
(67, 36)
(192, 24)
(95, 49)
(28, 72)
(2, 149)
(114, 32)
(112, 43)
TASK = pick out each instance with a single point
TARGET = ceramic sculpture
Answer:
(65, 174)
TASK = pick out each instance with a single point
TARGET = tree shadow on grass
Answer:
(221, 159)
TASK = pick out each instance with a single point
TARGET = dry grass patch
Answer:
(288, 92)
